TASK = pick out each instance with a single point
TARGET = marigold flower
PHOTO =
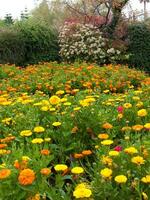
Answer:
(26, 133)
(137, 127)
(45, 171)
(138, 160)
(74, 129)
(142, 113)
(26, 177)
(45, 152)
(86, 152)
(131, 150)
(107, 126)
(121, 179)
(39, 129)
(56, 124)
(147, 126)
(107, 142)
(144, 195)
(77, 170)
(2, 146)
(113, 153)
(103, 136)
(78, 155)
(4, 173)
(127, 105)
(60, 167)
(37, 141)
(146, 179)
(82, 193)
(106, 173)
(54, 100)
(35, 197)
(107, 160)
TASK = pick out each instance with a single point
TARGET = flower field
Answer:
(74, 132)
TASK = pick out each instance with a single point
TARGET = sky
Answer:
(16, 6)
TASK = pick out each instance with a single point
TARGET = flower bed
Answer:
(74, 132)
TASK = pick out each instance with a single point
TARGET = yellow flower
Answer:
(60, 92)
(139, 104)
(147, 126)
(26, 133)
(136, 98)
(107, 142)
(47, 139)
(25, 158)
(138, 160)
(39, 129)
(127, 105)
(7, 121)
(54, 100)
(144, 195)
(77, 170)
(106, 173)
(113, 153)
(142, 113)
(146, 179)
(67, 103)
(44, 108)
(121, 179)
(130, 150)
(120, 116)
(82, 193)
(137, 127)
(52, 109)
(106, 91)
(37, 141)
(77, 108)
(60, 167)
(106, 160)
(56, 124)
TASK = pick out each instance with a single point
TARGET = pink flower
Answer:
(118, 148)
(120, 109)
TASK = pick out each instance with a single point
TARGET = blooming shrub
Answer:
(85, 42)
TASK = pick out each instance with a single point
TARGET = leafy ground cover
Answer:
(74, 132)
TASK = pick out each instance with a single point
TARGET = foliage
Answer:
(11, 46)
(139, 46)
(40, 42)
(28, 42)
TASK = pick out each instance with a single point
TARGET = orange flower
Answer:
(107, 126)
(45, 171)
(78, 155)
(86, 152)
(45, 152)
(137, 127)
(74, 130)
(103, 136)
(2, 146)
(26, 177)
(4, 173)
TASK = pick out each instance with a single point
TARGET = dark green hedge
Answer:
(28, 43)
(139, 46)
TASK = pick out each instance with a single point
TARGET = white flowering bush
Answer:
(85, 43)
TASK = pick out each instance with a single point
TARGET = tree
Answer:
(145, 9)
(8, 19)
(111, 11)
